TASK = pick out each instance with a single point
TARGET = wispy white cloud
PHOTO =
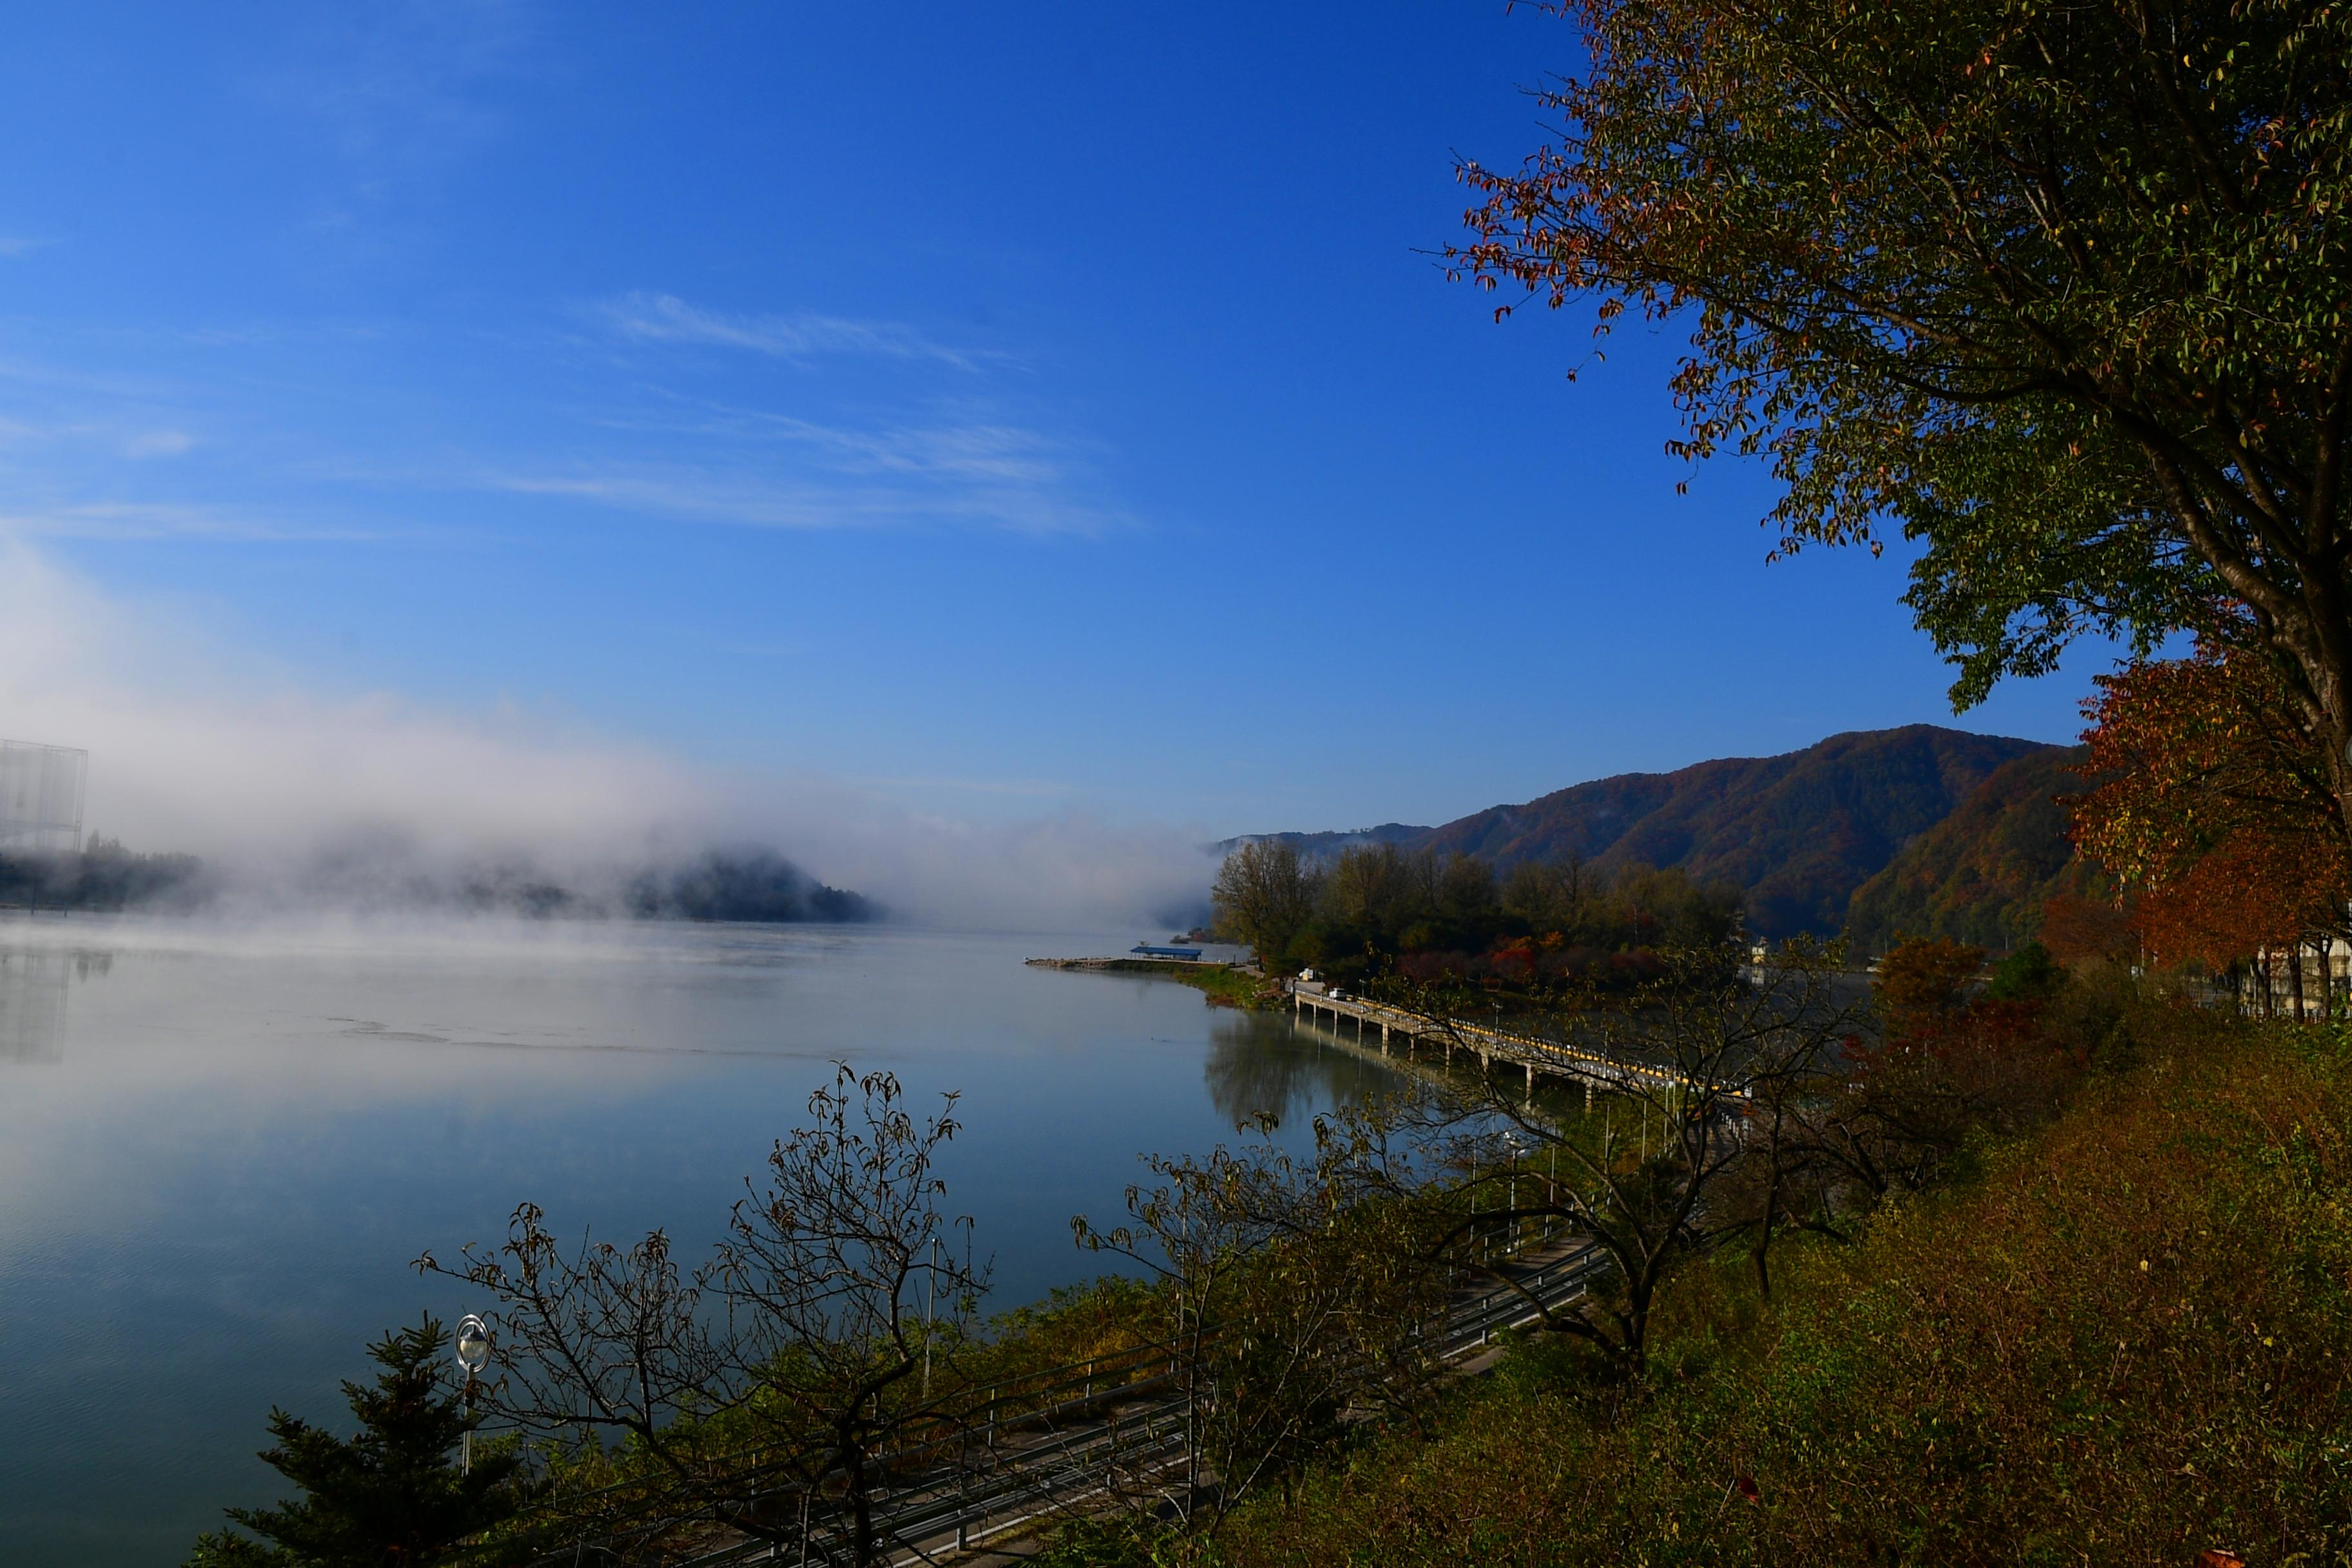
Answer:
(1020, 789)
(980, 448)
(163, 519)
(158, 444)
(782, 470)
(54, 376)
(756, 502)
(399, 89)
(216, 425)
(1002, 454)
(666, 319)
(120, 436)
(16, 244)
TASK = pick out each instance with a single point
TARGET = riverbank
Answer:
(1224, 984)
(2126, 1332)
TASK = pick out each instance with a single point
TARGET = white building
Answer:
(40, 797)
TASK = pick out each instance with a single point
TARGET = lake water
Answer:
(220, 1149)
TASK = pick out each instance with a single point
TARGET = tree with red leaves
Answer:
(2214, 807)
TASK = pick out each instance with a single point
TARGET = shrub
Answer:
(2126, 1340)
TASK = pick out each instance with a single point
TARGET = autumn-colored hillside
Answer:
(1797, 833)
(1983, 873)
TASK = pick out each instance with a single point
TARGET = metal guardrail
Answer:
(1051, 1393)
(1049, 1476)
(1059, 1469)
(1067, 1468)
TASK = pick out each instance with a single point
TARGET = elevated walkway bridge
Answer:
(1493, 1045)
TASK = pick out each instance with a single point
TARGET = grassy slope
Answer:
(2123, 1341)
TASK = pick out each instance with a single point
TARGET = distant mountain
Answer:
(380, 872)
(746, 884)
(1983, 873)
(743, 882)
(1324, 846)
(1797, 834)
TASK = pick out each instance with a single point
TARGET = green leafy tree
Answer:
(1560, 896)
(394, 1493)
(2062, 292)
(1264, 895)
(2029, 974)
(1376, 889)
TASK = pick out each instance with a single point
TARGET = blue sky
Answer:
(1000, 410)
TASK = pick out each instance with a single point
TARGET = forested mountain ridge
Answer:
(1797, 834)
(1983, 875)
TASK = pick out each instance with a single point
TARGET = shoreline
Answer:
(1221, 985)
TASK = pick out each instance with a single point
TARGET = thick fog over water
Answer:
(195, 747)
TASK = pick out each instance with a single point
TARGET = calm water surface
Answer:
(220, 1149)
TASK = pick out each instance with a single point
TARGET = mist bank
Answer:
(1056, 873)
(103, 875)
(747, 882)
(294, 794)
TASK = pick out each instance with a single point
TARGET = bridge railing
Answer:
(1591, 1064)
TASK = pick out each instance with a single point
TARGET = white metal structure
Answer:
(40, 797)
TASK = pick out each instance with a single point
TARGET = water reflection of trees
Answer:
(1261, 1062)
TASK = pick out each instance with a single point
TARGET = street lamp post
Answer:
(931, 1299)
(1511, 1140)
(473, 1349)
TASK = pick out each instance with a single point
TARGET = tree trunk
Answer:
(861, 1506)
(1764, 1231)
(2295, 977)
(2322, 652)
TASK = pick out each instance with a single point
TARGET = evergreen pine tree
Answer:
(393, 1494)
